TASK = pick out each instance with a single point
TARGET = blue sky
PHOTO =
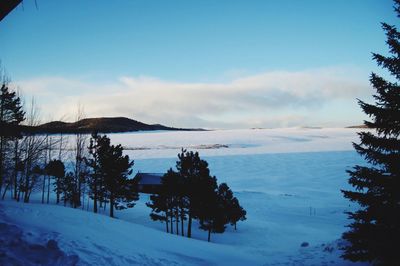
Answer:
(222, 64)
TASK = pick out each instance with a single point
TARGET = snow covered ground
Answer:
(288, 180)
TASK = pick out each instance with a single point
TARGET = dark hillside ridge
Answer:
(102, 125)
(359, 126)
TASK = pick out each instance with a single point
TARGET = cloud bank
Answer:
(269, 99)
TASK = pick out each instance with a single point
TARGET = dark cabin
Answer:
(149, 182)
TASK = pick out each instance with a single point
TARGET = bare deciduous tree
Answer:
(79, 154)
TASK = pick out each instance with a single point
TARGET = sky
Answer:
(208, 63)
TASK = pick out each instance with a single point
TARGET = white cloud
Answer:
(270, 99)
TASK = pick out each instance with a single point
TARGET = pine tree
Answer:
(159, 208)
(112, 169)
(95, 174)
(211, 210)
(231, 207)
(194, 173)
(165, 204)
(170, 188)
(56, 169)
(68, 189)
(236, 212)
(11, 115)
(375, 229)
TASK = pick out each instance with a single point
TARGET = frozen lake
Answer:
(288, 180)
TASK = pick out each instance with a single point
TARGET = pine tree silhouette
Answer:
(11, 116)
(375, 229)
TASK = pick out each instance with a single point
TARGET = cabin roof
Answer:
(149, 178)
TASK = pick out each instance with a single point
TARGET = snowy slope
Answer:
(288, 180)
(99, 240)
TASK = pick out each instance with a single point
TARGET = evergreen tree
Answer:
(11, 115)
(167, 205)
(56, 169)
(194, 173)
(68, 189)
(159, 208)
(375, 228)
(236, 212)
(172, 185)
(211, 210)
(220, 208)
(95, 175)
(112, 170)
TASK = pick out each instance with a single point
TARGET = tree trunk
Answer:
(177, 221)
(43, 188)
(2, 140)
(61, 142)
(235, 225)
(26, 185)
(16, 185)
(172, 223)
(1, 160)
(15, 169)
(48, 189)
(19, 194)
(182, 218)
(209, 234)
(83, 197)
(11, 192)
(58, 190)
(189, 232)
(5, 190)
(166, 222)
(95, 196)
(29, 193)
(44, 176)
(111, 205)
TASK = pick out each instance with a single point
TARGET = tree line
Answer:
(35, 162)
(192, 193)
(99, 173)
(106, 175)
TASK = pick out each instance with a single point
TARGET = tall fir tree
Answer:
(111, 171)
(210, 211)
(171, 185)
(375, 229)
(232, 209)
(95, 174)
(192, 193)
(194, 173)
(11, 115)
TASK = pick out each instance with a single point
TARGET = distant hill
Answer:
(358, 126)
(102, 125)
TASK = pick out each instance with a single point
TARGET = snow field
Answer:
(288, 180)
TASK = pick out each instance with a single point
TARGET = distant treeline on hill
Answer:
(359, 126)
(89, 125)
